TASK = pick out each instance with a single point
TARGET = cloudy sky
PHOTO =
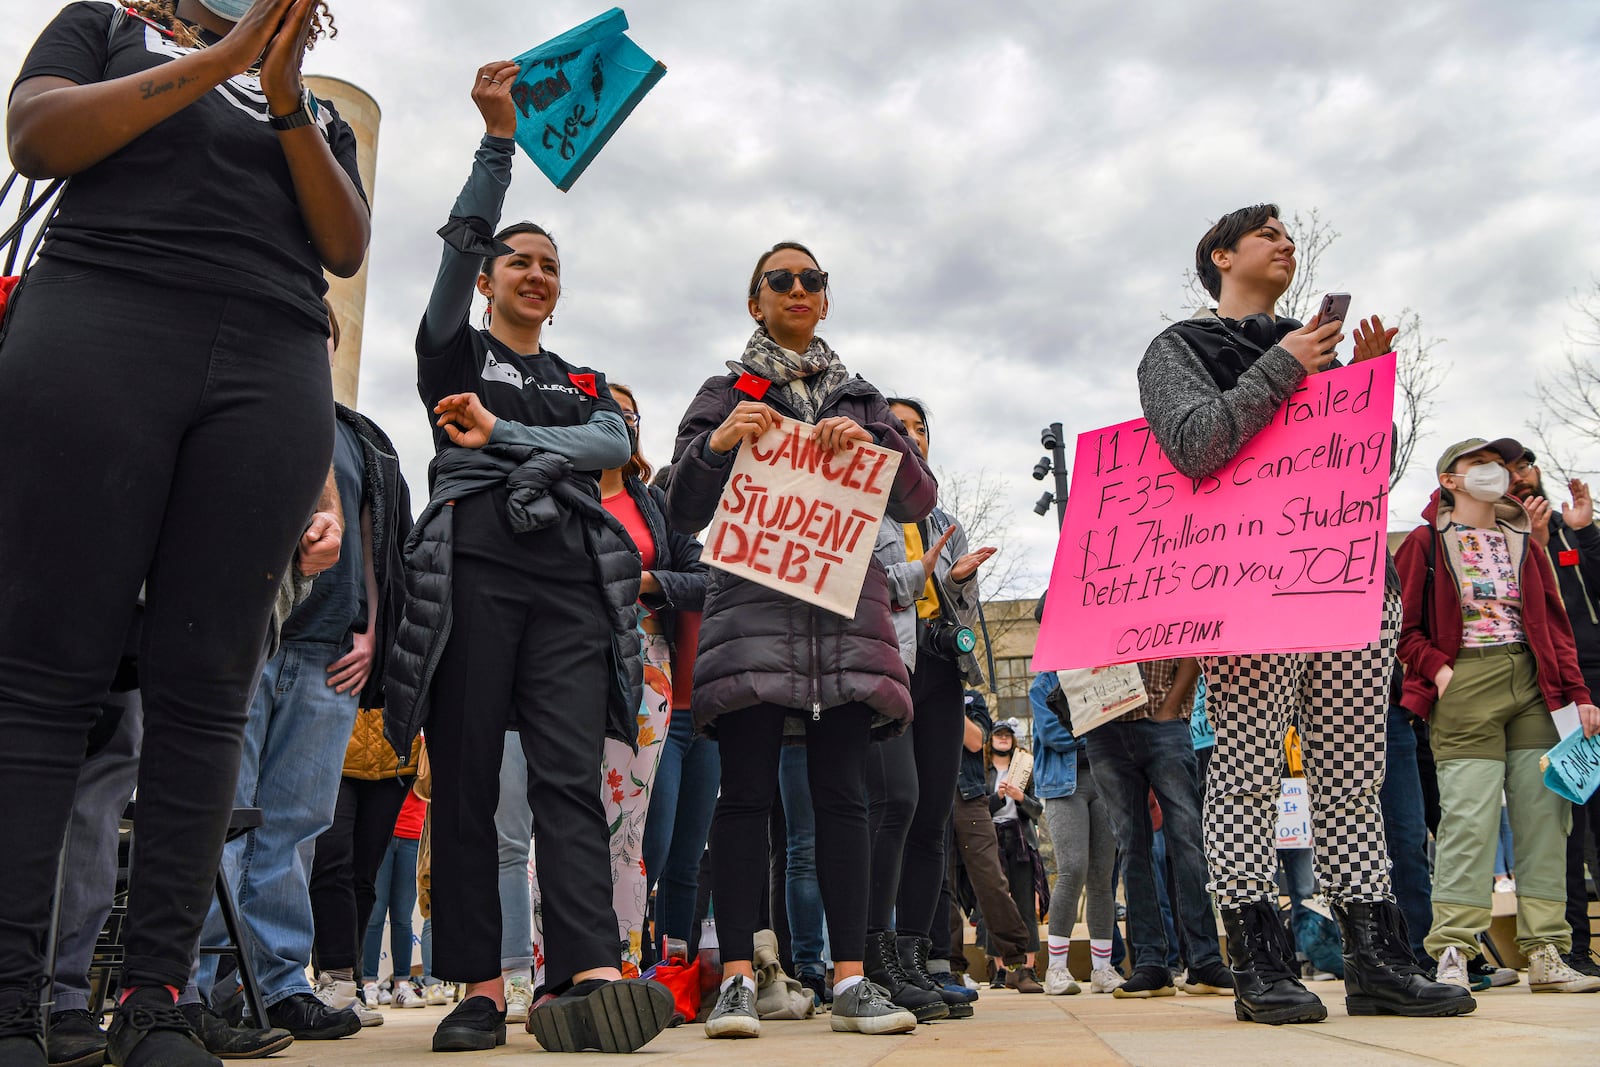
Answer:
(1006, 195)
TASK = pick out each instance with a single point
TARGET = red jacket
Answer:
(1544, 617)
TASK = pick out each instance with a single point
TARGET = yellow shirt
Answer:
(928, 603)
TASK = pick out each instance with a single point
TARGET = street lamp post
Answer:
(1053, 437)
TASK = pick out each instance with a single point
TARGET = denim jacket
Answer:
(1055, 750)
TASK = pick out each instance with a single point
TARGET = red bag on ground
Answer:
(683, 982)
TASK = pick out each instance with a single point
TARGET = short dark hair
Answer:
(1225, 233)
(511, 231)
(755, 275)
(915, 405)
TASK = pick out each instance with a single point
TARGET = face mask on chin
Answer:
(232, 10)
(1487, 482)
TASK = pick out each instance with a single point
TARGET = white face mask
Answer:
(1487, 482)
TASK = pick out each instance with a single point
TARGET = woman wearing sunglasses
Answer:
(771, 666)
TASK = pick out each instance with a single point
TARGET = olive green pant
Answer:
(1488, 732)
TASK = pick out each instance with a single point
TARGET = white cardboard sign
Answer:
(799, 520)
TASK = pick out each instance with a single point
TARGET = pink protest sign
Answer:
(1282, 550)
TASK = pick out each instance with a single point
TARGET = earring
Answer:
(551, 321)
(488, 313)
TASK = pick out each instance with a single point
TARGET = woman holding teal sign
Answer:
(520, 615)
(1489, 654)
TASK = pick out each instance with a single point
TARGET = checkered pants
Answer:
(1339, 700)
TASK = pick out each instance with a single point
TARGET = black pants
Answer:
(348, 856)
(836, 751)
(534, 656)
(910, 787)
(1585, 829)
(161, 437)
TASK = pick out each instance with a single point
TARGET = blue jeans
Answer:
(1297, 880)
(427, 953)
(802, 892)
(1158, 858)
(1128, 760)
(513, 822)
(682, 803)
(396, 891)
(1406, 829)
(294, 747)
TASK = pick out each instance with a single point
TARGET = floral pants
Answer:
(626, 778)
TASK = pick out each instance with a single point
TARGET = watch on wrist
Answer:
(304, 115)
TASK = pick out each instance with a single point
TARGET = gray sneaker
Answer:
(865, 1008)
(735, 1013)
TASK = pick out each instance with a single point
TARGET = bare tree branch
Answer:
(1568, 424)
(1417, 379)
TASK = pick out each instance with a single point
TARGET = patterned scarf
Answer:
(805, 378)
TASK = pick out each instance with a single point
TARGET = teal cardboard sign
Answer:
(575, 90)
(1572, 768)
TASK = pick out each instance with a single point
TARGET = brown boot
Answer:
(1022, 979)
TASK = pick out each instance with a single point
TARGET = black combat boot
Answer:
(1266, 989)
(883, 968)
(1381, 977)
(914, 961)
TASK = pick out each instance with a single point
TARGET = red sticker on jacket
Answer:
(753, 386)
(586, 383)
(1568, 557)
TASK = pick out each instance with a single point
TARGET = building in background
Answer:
(349, 295)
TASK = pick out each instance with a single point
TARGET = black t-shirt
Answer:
(337, 603)
(203, 200)
(537, 390)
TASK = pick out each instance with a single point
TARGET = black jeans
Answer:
(910, 789)
(531, 655)
(158, 437)
(348, 856)
(836, 750)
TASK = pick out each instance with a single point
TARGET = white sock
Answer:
(845, 983)
(1100, 952)
(524, 973)
(749, 982)
(1059, 946)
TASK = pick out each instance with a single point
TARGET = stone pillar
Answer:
(349, 295)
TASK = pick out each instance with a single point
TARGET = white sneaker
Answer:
(1453, 968)
(367, 1016)
(1058, 983)
(969, 981)
(384, 994)
(371, 995)
(1549, 973)
(433, 994)
(336, 993)
(519, 998)
(1105, 980)
(407, 995)
(1505, 884)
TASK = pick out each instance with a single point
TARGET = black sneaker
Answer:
(76, 1039)
(21, 1038)
(308, 1019)
(1584, 963)
(148, 1030)
(232, 1042)
(821, 991)
(1212, 979)
(997, 977)
(475, 1025)
(1146, 982)
(620, 1016)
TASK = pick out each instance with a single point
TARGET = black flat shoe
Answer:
(233, 1042)
(149, 1030)
(308, 1019)
(620, 1016)
(76, 1040)
(475, 1025)
(21, 1036)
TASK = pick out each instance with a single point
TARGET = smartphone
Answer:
(1334, 306)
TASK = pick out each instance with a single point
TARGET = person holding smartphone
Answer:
(1207, 385)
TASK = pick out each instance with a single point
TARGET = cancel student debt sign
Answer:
(800, 520)
(1282, 550)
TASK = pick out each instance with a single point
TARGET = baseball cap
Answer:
(1012, 726)
(1507, 448)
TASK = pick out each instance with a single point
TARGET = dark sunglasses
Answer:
(782, 281)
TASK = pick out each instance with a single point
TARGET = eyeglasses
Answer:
(782, 281)
(630, 417)
(1520, 467)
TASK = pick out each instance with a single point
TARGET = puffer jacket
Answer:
(678, 568)
(1430, 633)
(370, 758)
(389, 501)
(761, 646)
(538, 481)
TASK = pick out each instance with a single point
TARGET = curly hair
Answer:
(164, 13)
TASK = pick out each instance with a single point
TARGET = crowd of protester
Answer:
(611, 778)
